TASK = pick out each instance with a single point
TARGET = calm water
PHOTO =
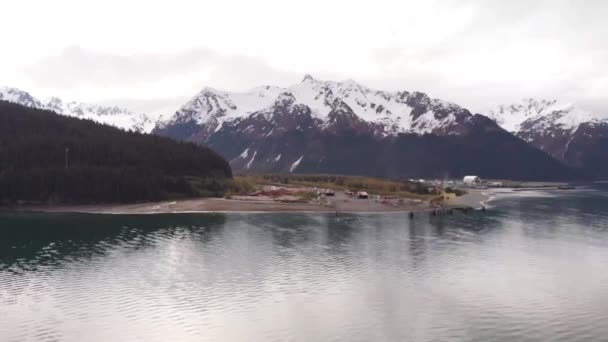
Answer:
(531, 269)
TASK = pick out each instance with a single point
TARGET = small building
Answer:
(471, 180)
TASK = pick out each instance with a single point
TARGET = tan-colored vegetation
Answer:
(240, 186)
(246, 182)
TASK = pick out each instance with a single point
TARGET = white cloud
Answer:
(474, 52)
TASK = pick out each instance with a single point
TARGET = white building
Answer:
(471, 180)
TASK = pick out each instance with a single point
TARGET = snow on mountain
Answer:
(110, 115)
(568, 133)
(396, 112)
(213, 107)
(544, 113)
(18, 96)
(343, 127)
(296, 164)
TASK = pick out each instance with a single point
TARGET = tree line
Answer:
(49, 158)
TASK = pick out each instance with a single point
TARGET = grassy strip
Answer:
(245, 182)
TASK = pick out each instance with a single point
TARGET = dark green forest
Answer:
(48, 158)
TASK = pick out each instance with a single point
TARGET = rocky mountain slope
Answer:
(571, 135)
(114, 116)
(344, 127)
(389, 113)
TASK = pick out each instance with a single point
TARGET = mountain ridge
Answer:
(110, 115)
(393, 112)
(566, 132)
(343, 127)
(313, 108)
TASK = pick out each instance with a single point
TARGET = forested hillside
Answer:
(47, 158)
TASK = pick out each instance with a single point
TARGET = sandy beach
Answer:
(338, 203)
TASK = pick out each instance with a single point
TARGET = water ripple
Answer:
(534, 269)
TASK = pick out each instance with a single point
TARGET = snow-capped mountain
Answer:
(566, 132)
(390, 112)
(344, 127)
(114, 116)
(518, 116)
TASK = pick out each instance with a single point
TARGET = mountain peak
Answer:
(549, 112)
(308, 78)
(387, 111)
(561, 129)
(208, 91)
(18, 96)
(110, 115)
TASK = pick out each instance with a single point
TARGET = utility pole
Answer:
(67, 150)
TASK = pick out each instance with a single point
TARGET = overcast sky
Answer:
(153, 55)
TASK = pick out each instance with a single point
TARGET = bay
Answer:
(534, 267)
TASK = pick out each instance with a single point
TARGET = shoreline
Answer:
(475, 199)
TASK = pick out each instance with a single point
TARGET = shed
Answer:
(471, 180)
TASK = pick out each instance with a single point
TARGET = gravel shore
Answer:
(340, 203)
